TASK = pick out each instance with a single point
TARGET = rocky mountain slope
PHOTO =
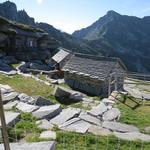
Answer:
(123, 36)
(9, 11)
(116, 35)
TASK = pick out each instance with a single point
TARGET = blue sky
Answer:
(70, 15)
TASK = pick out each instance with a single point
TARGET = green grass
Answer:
(26, 125)
(71, 141)
(26, 85)
(140, 116)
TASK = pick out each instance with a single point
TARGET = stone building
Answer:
(61, 58)
(93, 75)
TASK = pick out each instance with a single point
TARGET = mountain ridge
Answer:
(114, 35)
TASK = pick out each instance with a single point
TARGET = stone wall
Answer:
(84, 84)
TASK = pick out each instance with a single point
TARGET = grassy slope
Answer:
(139, 117)
(26, 85)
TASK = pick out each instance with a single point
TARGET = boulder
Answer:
(26, 99)
(9, 97)
(133, 136)
(10, 105)
(78, 126)
(119, 127)
(98, 110)
(44, 124)
(47, 112)
(26, 108)
(65, 115)
(67, 93)
(41, 101)
(11, 118)
(88, 118)
(48, 135)
(97, 130)
(111, 114)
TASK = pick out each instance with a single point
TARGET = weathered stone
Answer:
(106, 101)
(50, 145)
(26, 107)
(47, 112)
(111, 114)
(5, 89)
(120, 127)
(26, 99)
(10, 105)
(132, 136)
(147, 129)
(98, 110)
(41, 101)
(76, 96)
(88, 118)
(65, 115)
(48, 135)
(64, 92)
(69, 122)
(78, 126)
(61, 81)
(97, 130)
(44, 124)
(11, 118)
(9, 97)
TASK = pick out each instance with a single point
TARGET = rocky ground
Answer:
(102, 119)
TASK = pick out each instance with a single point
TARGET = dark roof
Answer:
(93, 66)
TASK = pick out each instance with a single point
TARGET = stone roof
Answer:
(61, 55)
(93, 66)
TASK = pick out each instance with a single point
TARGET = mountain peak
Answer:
(112, 13)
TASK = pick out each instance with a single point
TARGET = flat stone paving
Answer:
(10, 117)
(31, 146)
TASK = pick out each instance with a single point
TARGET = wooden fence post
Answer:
(3, 125)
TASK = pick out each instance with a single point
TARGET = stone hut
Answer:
(61, 58)
(94, 75)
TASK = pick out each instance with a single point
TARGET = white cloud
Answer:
(39, 1)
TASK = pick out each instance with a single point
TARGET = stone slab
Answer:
(41, 101)
(133, 136)
(47, 112)
(111, 114)
(65, 115)
(88, 118)
(10, 105)
(26, 108)
(98, 110)
(97, 130)
(106, 101)
(11, 118)
(5, 89)
(79, 126)
(119, 127)
(44, 124)
(9, 97)
(25, 98)
(48, 135)
(31, 146)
